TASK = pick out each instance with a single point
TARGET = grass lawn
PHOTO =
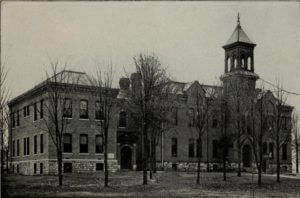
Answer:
(165, 184)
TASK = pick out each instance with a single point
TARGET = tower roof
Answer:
(238, 35)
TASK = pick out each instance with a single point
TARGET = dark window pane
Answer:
(67, 143)
(35, 144)
(67, 109)
(67, 167)
(123, 119)
(199, 148)
(41, 168)
(174, 147)
(191, 148)
(99, 167)
(42, 109)
(34, 111)
(83, 143)
(99, 144)
(215, 148)
(42, 143)
(99, 114)
(284, 151)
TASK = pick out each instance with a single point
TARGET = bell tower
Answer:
(239, 61)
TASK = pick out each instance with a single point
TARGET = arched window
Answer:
(122, 119)
(67, 143)
(235, 63)
(243, 61)
(249, 63)
(228, 64)
(84, 143)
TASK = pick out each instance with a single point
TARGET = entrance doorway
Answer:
(126, 155)
(247, 156)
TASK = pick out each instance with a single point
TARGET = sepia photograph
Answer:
(150, 98)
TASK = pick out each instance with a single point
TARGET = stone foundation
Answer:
(192, 166)
(50, 166)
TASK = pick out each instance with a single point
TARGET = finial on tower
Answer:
(238, 19)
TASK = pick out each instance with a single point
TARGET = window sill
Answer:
(68, 153)
(67, 118)
(99, 153)
(84, 119)
(84, 154)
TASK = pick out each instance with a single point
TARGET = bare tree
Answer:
(102, 83)
(258, 129)
(203, 101)
(4, 116)
(280, 124)
(296, 138)
(56, 108)
(147, 89)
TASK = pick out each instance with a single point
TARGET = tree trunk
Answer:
(207, 153)
(59, 161)
(154, 155)
(259, 165)
(297, 158)
(239, 156)
(105, 161)
(224, 163)
(277, 163)
(198, 164)
(144, 154)
(151, 159)
(297, 153)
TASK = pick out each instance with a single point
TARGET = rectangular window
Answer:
(99, 144)
(122, 119)
(99, 114)
(41, 109)
(271, 150)
(18, 168)
(34, 168)
(191, 117)
(67, 167)
(83, 109)
(215, 148)
(24, 148)
(35, 144)
(18, 148)
(175, 115)
(34, 111)
(18, 118)
(174, 147)
(13, 148)
(28, 151)
(199, 148)
(284, 151)
(215, 123)
(41, 168)
(67, 143)
(42, 143)
(191, 148)
(99, 167)
(28, 110)
(67, 108)
(13, 120)
(24, 111)
(84, 143)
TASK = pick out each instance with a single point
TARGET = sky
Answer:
(186, 36)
